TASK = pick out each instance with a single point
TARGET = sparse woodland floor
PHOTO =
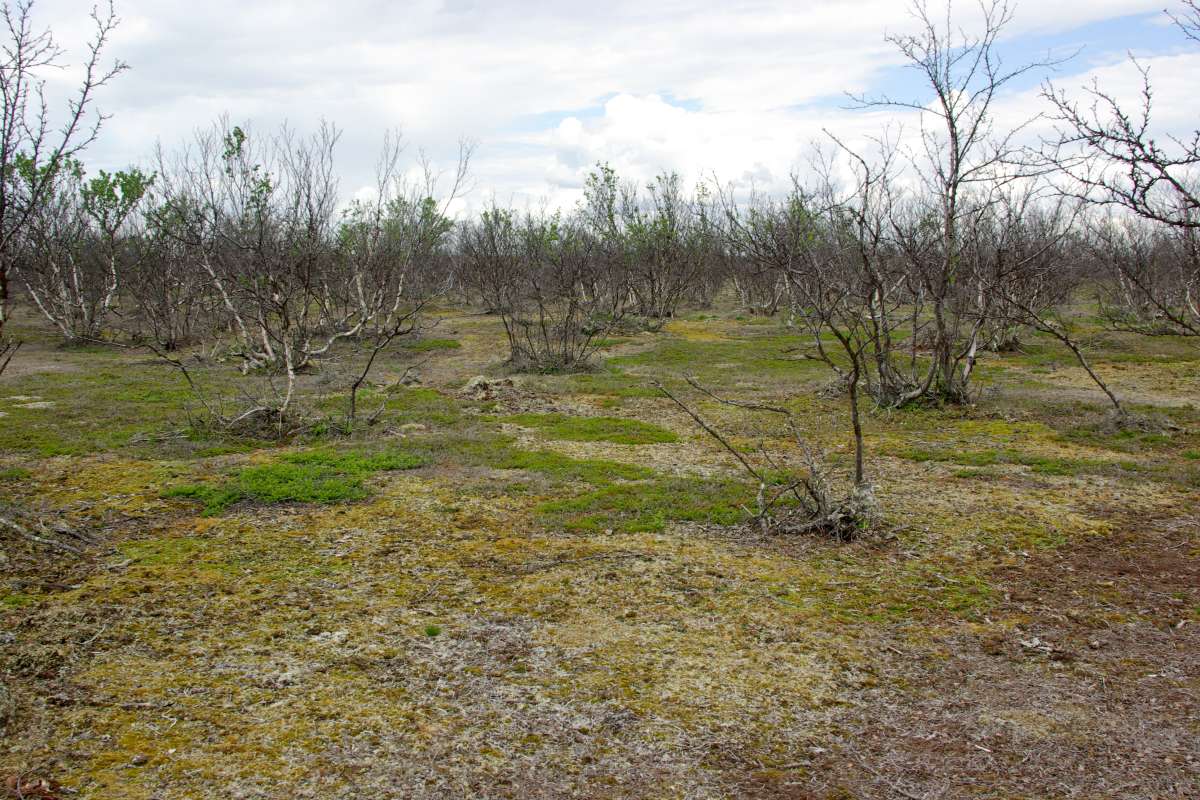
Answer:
(502, 596)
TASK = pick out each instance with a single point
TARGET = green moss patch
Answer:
(315, 476)
(649, 505)
(721, 360)
(423, 407)
(100, 409)
(17, 600)
(483, 446)
(1102, 435)
(14, 474)
(556, 465)
(426, 345)
(982, 458)
(616, 430)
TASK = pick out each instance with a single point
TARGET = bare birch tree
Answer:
(962, 159)
(35, 134)
(80, 247)
(1113, 157)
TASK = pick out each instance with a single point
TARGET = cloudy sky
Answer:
(547, 89)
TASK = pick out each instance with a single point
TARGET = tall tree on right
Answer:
(1114, 158)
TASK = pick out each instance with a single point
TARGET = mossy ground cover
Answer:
(652, 505)
(323, 476)
(553, 598)
(424, 345)
(96, 409)
(725, 355)
(616, 430)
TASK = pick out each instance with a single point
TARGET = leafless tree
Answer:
(1153, 278)
(166, 297)
(1112, 156)
(963, 158)
(295, 279)
(54, 265)
(659, 239)
(549, 277)
(845, 288)
(35, 140)
(261, 218)
(791, 499)
(1025, 250)
(761, 288)
(393, 254)
(1115, 157)
(842, 288)
(489, 256)
(717, 264)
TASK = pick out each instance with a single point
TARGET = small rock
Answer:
(7, 705)
(481, 388)
(139, 759)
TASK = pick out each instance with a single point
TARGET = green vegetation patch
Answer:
(614, 341)
(358, 462)
(315, 476)
(14, 474)
(556, 465)
(426, 345)
(483, 446)
(616, 430)
(608, 382)
(94, 410)
(647, 506)
(17, 600)
(1102, 434)
(754, 355)
(1044, 465)
(1107, 347)
(246, 557)
(423, 406)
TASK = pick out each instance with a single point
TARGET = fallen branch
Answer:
(50, 534)
(818, 510)
(29, 535)
(8, 349)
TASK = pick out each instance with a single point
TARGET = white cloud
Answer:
(752, 79)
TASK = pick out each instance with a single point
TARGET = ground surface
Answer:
(540, 590)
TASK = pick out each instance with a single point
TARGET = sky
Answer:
(545, 90)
